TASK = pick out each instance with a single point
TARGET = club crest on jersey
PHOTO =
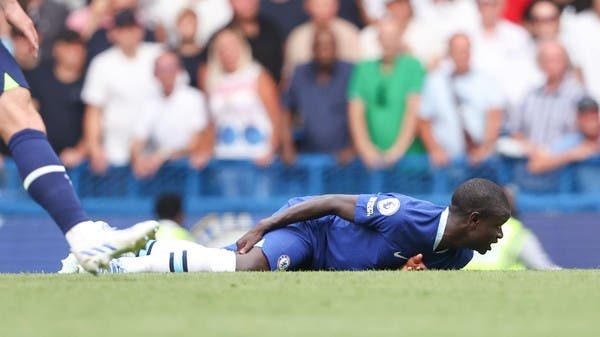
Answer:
(371, 205)
(283, 263)
(388, 206)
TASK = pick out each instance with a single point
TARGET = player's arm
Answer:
(20, 20)
(333, 204)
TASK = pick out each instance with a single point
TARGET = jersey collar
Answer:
(441, 228)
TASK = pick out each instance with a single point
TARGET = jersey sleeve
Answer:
(380, 211)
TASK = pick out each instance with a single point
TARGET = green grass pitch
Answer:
(432, 303)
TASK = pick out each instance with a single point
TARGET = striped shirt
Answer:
(545, 116)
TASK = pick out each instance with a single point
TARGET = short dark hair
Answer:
(168, 206)
(480, 195)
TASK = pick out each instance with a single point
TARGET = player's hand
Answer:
(415, 263)
(248, 240)
(20, 20)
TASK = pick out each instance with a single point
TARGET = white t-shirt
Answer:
(120, 86)
(586, 49)
(170, 122)
(507, 57)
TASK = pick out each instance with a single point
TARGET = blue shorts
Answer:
(11, 75)
(288, 248)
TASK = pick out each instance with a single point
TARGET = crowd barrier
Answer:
(242, 186)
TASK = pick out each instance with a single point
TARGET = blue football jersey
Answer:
(388, 228)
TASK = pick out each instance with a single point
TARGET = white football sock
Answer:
(161, 247)
(195, 259)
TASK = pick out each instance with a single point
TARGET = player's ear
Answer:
(474, 219)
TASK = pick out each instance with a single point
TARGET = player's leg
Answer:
(282, 249)
(176, 256)
(44, 176)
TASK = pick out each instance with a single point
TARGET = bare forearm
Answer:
(314, 208)
(92, 127)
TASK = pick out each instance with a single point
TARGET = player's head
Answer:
(245, 10)
(482, 208)
(169, 206)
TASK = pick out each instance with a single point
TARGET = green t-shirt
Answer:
(385, 97)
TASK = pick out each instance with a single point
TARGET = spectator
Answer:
(502, 50)
(100, 40)
(118, 83)
(417, 39)
(586, 50)
(56, 87)
(169, 212)
(577, 146)
(88, 19)
(461, 113)
(323, 14)
(285, 14)
(545, 20)
(243, 101)
(189, 50)
(401, 12)
(262, 35)
(548, 112)
(317, 95)
(49, 17)
(162, 16)
(384, 102)
(435, 23)
(173, 123)
(213, 15)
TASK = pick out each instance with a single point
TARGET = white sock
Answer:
(195, 259)
(82, 232)
(161, 247)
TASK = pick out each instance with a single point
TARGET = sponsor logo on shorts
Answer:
(388, 206)
(371, 205)
(283, 263)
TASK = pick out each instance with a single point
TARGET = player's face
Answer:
(485, 232)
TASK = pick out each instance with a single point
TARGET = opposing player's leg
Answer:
(45, 179)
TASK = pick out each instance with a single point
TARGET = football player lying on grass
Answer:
(347, 232)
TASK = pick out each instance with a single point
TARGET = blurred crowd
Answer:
(142, 82)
